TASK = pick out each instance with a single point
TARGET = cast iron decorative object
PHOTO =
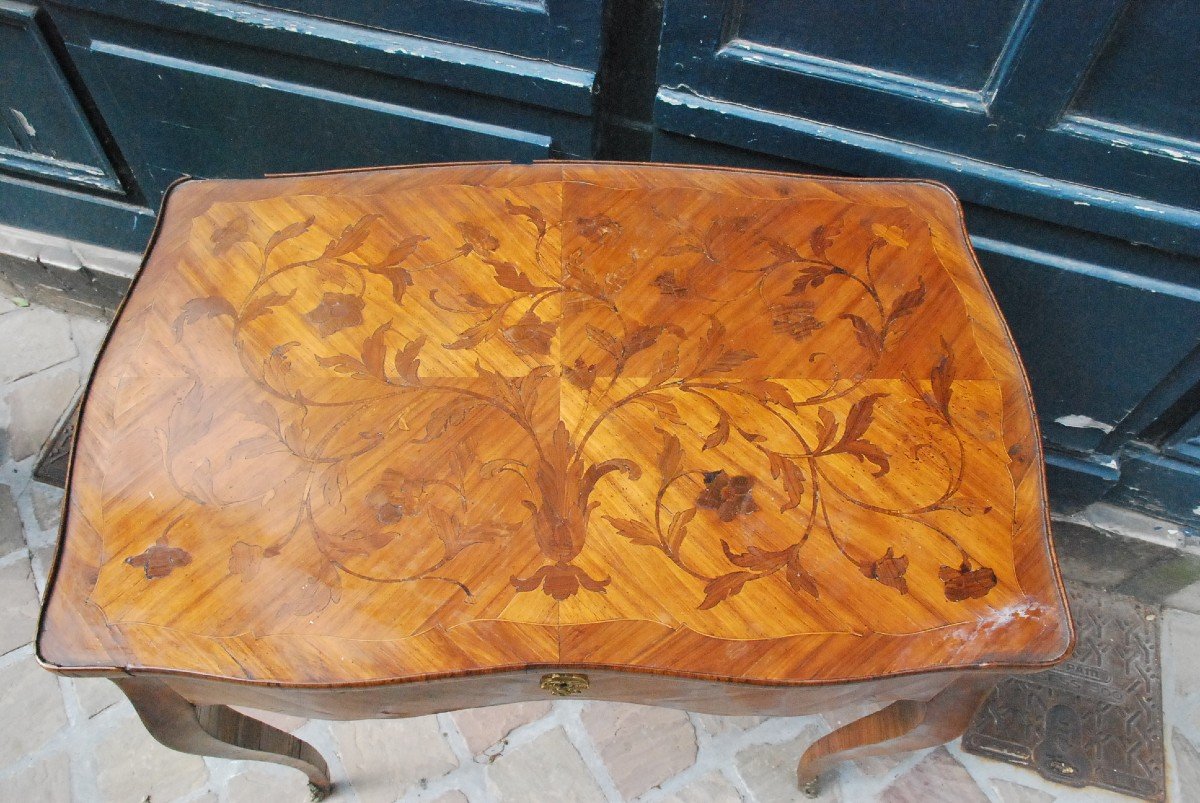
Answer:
(1095, 719)
(390, 442)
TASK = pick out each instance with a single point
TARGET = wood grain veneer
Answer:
(465, 423)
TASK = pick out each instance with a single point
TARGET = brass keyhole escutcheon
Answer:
(564, 684)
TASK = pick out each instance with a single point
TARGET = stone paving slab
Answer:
(79, 740)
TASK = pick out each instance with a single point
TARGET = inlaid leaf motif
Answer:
(942, 381)
(683, 248)
(677, 530)
(858, 420)
(250, 448)
(798, 577)
(908, 302)
(722, 588)
(768, 390)
(351, 237)
(669, 284)
(234, 231)
(560, 581)
(345, 364)
(264, 304)
(760, 560)
(354, 544)
(641, 339)
(719, 435)
(828, 431)
(730, 359)
(450, 415)
(782, 252)
(662, 405)
(665, 367)
(635, 531)
(531, 213)
(671, 457)
(604, 339)
(317, 592)
(866, 334)
(474, 335)
(407, 362)
(748, 436)
(333, 483)
(389, 267)
(374, 351)
(793, 484)
(823, 238)
(811, 277)
(510, 276)
(200, 308)
(456, 535)
(289, 232)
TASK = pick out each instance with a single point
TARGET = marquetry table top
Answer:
(398, 424)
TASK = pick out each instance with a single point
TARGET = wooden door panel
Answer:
(898, 37)
(243, 125)
(996, 116)
(560, 31)
(1146, 77)
(43, 130)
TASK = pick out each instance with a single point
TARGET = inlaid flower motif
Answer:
(160, 559)
(964, 582)
(560, 581)
(795, 319)
(530, 335)
(245, 559)
(396, 497)
(729, 496)
(669, 285)
(582, 375)
(888, 570)
(337, 311)
(599, 228)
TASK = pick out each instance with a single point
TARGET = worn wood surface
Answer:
(371, 427)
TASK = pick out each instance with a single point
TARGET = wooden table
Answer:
(392, 442)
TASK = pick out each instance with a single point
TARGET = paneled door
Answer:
(1071, 130)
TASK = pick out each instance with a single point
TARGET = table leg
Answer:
(903, 726)
(217, 730)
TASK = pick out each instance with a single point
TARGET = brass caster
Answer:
(318, 793)
(812, 788)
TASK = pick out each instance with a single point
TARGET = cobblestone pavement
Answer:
(78, 740)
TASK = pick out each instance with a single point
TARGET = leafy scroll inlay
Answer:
(704, 367)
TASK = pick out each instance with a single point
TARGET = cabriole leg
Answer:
(903, 726)
(217, 730)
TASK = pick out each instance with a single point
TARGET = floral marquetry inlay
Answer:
(415, 412)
